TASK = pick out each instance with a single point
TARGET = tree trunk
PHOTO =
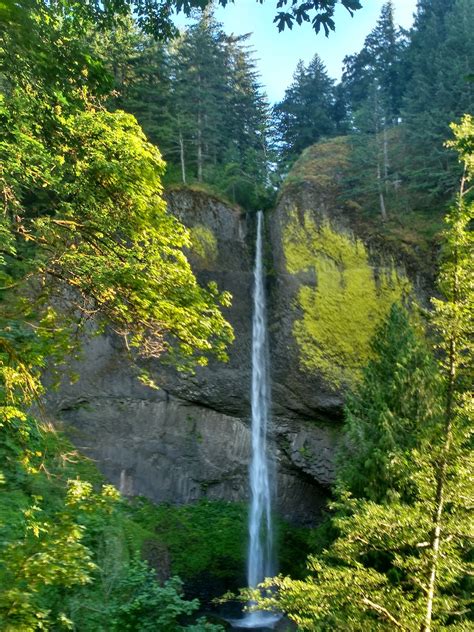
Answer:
(181, 156)
(383, 210)
(440, 484)
(385, 157)
(199, 148)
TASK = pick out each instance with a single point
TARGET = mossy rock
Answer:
(204, 243)
(336, 315)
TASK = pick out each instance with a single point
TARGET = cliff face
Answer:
(191, 439)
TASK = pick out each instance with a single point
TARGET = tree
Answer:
(378, 63)
(437, 92)
(306, 113)
(389, 411)
(374, 82)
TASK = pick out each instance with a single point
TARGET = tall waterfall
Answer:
(260, 555)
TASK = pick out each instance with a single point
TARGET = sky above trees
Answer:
(278, 53)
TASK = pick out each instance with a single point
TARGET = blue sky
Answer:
(278, 53)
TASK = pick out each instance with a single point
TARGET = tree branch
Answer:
(383, 612)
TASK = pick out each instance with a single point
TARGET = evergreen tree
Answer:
(140, 70)
(199, 77)
(379, 63)
(374, 80)
(440, 59)
(307, 112)
(389, 411)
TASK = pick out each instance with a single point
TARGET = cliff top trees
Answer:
(378, 63)
(307, 112)
(439, 61)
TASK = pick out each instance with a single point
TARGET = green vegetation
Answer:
(215, 533)
(70, 547)
(85, 234)
(341, 312)
(322, 165)
(204, 243)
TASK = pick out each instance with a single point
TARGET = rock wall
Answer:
(191, 439)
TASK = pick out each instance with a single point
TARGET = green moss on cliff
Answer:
(340, 313)
(204, 243)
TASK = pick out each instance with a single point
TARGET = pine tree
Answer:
(307, 112)
(440, 59)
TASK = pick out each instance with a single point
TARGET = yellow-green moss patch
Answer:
(204, 243)
(338, 315)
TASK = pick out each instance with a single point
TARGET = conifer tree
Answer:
(390, 410)
(440, 60)
(378, 63)
(306, 114)
(374, 80)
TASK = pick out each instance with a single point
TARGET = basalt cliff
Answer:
(330, 280)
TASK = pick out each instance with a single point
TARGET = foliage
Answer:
(69, 549)
(396, 99)
(390, 410)
(323, 166)
(155, 17)
(142, 604)
(307, 111)
(204, 243)
(215, 533)
(378, 64)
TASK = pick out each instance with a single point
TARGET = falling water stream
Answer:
(261, 556)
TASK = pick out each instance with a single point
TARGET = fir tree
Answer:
(390, 410)
(440, 59)
(307, 112)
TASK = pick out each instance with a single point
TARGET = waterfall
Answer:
(261, 558)
(260, 554)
